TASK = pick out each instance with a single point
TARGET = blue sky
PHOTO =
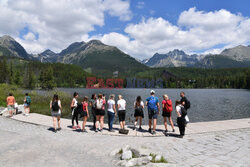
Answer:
(170, 10)
(139, 28)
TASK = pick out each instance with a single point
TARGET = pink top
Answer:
(85, 105)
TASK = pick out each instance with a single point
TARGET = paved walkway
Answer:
(27, 145)
(192, 128)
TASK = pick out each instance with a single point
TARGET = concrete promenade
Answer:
(28, 142)
(192, 128)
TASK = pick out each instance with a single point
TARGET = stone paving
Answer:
(25, 144)
(192, 128)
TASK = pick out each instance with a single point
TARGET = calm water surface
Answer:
(206, 104)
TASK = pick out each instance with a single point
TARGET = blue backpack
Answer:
(28, 100)
(152, 103)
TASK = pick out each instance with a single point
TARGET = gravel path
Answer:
(24, 144)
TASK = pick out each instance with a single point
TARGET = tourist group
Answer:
(98, 105)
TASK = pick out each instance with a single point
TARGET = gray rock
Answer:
(135, 153)
(126, 148)
(158, 158)
(137, 161)
(127, 154)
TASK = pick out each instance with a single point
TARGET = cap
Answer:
(152, 92)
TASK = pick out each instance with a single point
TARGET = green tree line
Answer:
(31, 74)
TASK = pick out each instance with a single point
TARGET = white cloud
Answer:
(196, 31)
(30, 36)
(58, 23)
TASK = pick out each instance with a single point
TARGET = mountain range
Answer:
(104, 60)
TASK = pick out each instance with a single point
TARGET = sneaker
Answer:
(134, 128)
(59, 129)
(74, 127)
(100, 130)
(54, 130)
(166, 131)
(78, 127)
(173, 130)
(96, 130)
(153, 133)
(149, 130)
(111, 130)
(84, 130)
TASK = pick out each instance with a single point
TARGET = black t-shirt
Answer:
(184, 99)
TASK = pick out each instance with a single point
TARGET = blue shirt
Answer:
(153, 104)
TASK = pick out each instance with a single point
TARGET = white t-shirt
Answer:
(122, 104)
(75, 102)
(178, 109)
(110, 105)
(59, 103)
(142, 104)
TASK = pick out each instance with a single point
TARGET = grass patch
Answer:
(39, 102)
(162, 160)
(120, 151)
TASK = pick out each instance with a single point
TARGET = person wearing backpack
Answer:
(186, 103)
(167, 109)
(121, 105)
(138, 105)
(27, 101)
(85, 113)
(99, 112)
(181, 113)
(56, 110)
(74, 111)
(153, 110)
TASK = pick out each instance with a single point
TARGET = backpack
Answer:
(99, 104)
(169, 106)
(152, 103)
(187, 104)
(183, 112)
(28, 100)
(123, 131)
(55, 106)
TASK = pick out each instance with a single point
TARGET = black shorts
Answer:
(121, 115)
(152, 114)
(83, 114)
(139, 113)
(99, 112)
(166, 114)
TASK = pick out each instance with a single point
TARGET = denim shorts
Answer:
(152, 114)
(26, 105)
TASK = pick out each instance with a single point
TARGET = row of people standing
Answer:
(97, 104)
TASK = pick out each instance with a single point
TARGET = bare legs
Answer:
(84, 123)
(122, 124)
(97, 121)
(58, 122)
(140, 121)
(171, 122)
(101, 121)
